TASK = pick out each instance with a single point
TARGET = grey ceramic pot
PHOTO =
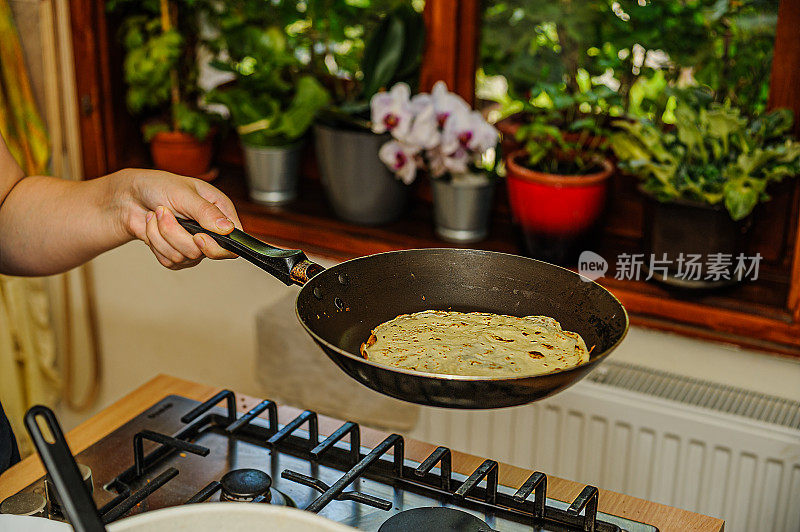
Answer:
(271, 172)
(461, 207)
(357, 184)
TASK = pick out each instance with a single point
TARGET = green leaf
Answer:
(151, 130)
(192, 121)
(413, 45)
(740, 199)
(382, 55)
(689, 132)
(722, 123)
(298, 117)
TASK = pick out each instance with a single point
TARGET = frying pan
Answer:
(340, 306)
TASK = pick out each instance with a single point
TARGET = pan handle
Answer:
(74, 497)
(287, 265)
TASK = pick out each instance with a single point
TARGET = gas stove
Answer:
(180, 451)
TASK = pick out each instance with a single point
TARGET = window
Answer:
(625, 57)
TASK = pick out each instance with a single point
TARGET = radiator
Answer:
(704, 447)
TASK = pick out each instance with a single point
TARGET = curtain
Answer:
(27, 344)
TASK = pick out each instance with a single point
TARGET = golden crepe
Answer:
(475, 343)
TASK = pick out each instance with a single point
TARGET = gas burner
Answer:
(434, 518)
(24, 503)
(280, 499)
(51, 494)
(244, 485)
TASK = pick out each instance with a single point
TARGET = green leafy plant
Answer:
(714, 155)
(559, 140)
(160, 64)
(329, 35)
(354, 48)
(392, 54)
(272, 103)
(630, 53)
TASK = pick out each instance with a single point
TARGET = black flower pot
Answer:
(677, 232)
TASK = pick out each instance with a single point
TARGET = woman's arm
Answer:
(50, 225)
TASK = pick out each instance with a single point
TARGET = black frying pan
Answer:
(340, 306)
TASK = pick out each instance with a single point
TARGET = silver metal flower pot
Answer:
(272, 172)
(357, 184)
(461, 207)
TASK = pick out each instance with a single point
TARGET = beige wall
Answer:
(199, 324)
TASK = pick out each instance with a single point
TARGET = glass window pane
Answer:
(624, 57)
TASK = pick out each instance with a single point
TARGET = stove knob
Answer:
(52, 494)
(24, 503)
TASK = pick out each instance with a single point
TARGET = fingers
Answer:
(168, 256)
(167, 196)
(173, 246)
(176, 236)
(222, 202)
(211, 249)
(192, 203)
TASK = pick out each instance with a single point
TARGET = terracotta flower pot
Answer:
(554, 212)
(181, 153)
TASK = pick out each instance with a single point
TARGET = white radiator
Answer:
(700, 446)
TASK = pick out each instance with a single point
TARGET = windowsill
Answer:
(750, 315)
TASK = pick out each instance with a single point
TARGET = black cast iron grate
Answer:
(479, 491)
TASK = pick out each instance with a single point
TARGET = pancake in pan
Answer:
(475, 344)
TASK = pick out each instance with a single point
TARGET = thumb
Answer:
(195, 207)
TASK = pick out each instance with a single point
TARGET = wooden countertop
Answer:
(664, 517)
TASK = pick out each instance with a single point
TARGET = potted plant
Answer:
(160, 70)
(272, 104)
(702, 179)
(357, 184)
(440, 134)
(557, 183)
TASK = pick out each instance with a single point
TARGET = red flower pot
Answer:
(181, 153)
(552, 211)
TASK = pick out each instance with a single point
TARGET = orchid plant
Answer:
(437, 132)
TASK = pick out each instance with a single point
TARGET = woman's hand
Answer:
(153, 199)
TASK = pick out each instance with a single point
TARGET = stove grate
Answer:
(478, 491)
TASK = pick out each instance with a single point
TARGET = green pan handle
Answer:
(287, 265)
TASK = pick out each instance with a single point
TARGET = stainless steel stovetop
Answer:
(287, 454)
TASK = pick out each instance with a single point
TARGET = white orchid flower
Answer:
(446, 103)
(391, 111)
(401, 159)
(468, 130)
(440, 163)
(424, 132)
(486, 135)
(457, 162)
